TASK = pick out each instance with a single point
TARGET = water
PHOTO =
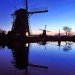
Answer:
(51, 58)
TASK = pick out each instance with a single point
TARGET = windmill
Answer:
(44, 31)
(20, 23)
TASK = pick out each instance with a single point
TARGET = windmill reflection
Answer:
(43, 43)
(20, 53)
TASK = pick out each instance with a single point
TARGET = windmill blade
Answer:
(26, 5)
(40, 29)
(38, 66)
(42, 10)
(25, 2)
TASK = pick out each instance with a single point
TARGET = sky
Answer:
(60, 13)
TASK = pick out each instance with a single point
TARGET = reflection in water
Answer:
(67, 46)
(59, 44)
(42, 43)
(2, 46)
(20, 53)
(58, 62)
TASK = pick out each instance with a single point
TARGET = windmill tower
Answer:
(20, 23)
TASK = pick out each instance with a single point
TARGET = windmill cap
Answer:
(21, 11)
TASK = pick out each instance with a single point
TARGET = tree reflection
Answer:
(67, 46)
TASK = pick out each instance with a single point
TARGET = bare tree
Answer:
(67, 30)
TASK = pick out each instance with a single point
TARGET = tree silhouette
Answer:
(67, 30)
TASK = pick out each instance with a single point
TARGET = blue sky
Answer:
(60, 13)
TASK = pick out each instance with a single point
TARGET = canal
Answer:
(42, 58)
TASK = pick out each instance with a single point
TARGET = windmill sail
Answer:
(26, 5)
(38, 10)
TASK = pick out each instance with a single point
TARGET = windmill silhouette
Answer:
(44, 31)
(20, 23)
